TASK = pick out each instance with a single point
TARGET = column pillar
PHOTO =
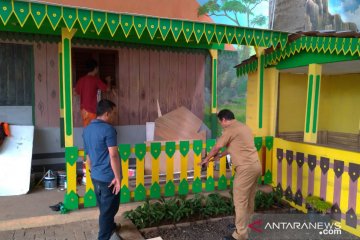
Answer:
(71, 199)
(61, 97)
(255, 97)
(214, 63)
(271, 104)
(312, 103)
(260, 88)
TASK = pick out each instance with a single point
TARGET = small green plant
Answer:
(277, 195)
(323, 206)
(215, 205)
(311, 200)
(175, 209)
(179, 208)
(318, 204)
(263, 200)
(266, 200)
(146, 215)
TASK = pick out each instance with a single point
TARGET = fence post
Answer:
(184, 152)
(71, 199)
(124, 151)
(197, 184)
(140, 191)
(210, 183)
(269, 141)
(170, 186)
(155, 149)
(89, 197)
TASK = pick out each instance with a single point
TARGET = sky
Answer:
(262, 8)
(349, 10)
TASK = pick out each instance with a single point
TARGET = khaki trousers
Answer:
(244, 190)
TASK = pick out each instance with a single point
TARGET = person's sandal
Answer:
(56, 207)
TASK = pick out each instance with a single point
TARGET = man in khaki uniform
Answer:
(239, 143)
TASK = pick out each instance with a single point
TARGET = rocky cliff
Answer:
(305, 15)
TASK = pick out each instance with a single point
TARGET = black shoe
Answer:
(228, 238)
(56, 207)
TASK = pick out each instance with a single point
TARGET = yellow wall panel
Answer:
(252, 102)
(339, 111)
(292, 102)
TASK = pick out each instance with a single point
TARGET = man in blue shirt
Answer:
(100, 143)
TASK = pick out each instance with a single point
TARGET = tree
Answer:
(232, 9)
(231, 89)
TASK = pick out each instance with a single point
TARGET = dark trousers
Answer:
(108, 205)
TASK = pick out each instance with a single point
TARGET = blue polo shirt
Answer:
(98, 136)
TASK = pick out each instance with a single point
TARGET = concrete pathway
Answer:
(29, 217)
(82, 230)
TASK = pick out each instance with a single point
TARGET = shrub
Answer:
(179, 208)
(318, 204)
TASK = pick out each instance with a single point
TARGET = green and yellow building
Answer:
(302, 87)
(306, 94)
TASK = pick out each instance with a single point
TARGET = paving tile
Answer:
(51, 238)
(63, 232)
(39, 233)
(58, 230)
(30, 233)
(19, 234)
(80, 236)
(91, 224)
(8, 235)
(40, 238)
(49, 232)
(90, 235)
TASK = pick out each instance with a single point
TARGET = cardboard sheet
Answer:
(15, 161)
(180, 124)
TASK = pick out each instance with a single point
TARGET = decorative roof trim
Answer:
(35, 17)
(339, 43)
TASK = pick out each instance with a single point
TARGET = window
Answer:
(16, 74)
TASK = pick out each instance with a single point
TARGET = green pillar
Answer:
(214, 62)
(61, 95)
(312, 103)
(71, 199)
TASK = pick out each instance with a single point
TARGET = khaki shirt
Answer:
(239, 141)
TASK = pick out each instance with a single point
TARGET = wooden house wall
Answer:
(46, 77)
(145, 75)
